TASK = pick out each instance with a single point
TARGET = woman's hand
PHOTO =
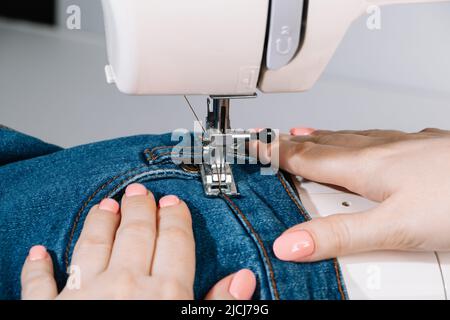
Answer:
(409, 174)
(138, 251)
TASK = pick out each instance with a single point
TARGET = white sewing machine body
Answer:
(235, 47)
(218, 47)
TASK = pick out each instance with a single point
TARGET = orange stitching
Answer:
(147, 155)
(154, 157)
(335, 262)
(150, 156)
(338, 277)
(266, 255)
(79, 213)
(280, 177)
(170, 152)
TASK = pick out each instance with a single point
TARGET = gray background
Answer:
(52, 82)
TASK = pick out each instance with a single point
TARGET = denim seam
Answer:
(150, 153)
(118, 187)
(293, 198)
(84, 206)
(261, 246)
(282, 179)
(151, 156)
(137, 177)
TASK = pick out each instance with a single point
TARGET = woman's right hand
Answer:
(407, 173)
(134, 251)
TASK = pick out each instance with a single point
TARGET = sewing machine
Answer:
(228, 49)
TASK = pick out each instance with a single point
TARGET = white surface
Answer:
(383, 274)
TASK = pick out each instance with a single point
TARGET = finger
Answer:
(175, 247)
(302, 131)
(93, 249)
(238, 286)
(254, 144)
(38, 282)
(340, 140)
(435, 131)
(322, 163)
(135, 238)
(336, 236)
(377, 137)
(369, 133)
(261, 147)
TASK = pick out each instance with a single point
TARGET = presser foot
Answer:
(218, 179)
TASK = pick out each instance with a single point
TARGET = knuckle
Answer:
(175, 232)
(426, 130)
(304, 147)
(141, 227)
(140, 203)
(298, 155)
(301, 152)
(372, 132)
(327, 139)
(89, 243)
(341, 235)
(398, 236)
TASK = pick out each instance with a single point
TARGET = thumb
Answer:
(238, 286)
(38, 282)
(334, 236)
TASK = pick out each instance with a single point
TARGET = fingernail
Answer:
(293, 246)
(301, 131)
(243, 285)
(110, 205)
(136, 189)
(37, 253)
(168, 201)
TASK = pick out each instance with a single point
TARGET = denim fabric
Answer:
(45, 200)
(15, 146)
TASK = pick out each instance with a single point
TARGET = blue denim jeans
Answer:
(46, 193)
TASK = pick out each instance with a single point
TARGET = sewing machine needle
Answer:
(194, 113)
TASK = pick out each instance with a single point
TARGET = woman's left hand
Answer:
(136, 251)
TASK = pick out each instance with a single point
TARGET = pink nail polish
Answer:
(302, 131)
(37, 253)
(136, 189)
(168, 201)
(110, 205)
(293, 246)
(243, 285)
